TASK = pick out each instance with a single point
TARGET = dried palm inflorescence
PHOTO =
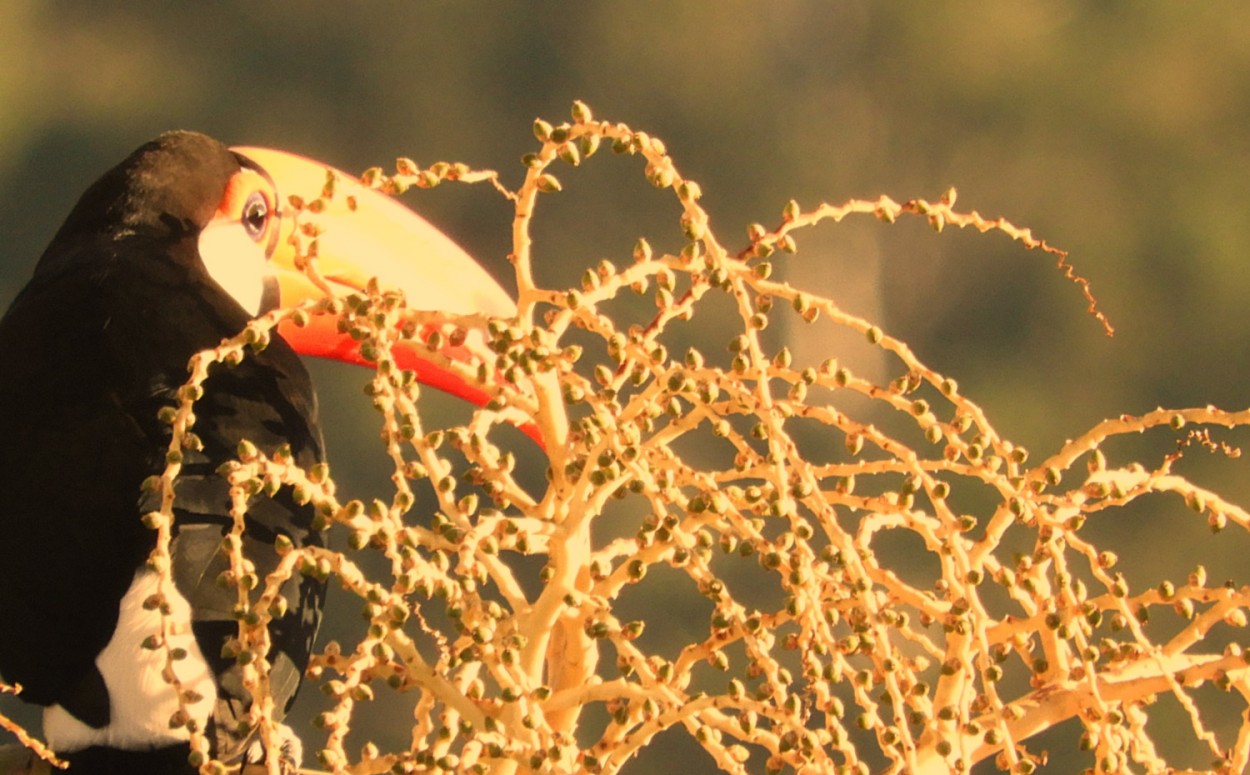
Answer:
(759, 488)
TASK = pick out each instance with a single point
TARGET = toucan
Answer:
(170, 252)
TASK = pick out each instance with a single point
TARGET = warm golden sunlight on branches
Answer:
(801, 569)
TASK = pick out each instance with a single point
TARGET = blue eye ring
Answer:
(255, 216)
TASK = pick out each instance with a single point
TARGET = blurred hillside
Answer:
(1118, 132)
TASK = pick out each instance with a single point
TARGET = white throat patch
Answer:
(235, 262)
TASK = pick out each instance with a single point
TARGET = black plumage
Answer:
(90, 351)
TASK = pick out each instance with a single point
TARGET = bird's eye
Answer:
(255, 215)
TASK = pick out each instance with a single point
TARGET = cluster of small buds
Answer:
(409, 174)
(822, 572)
(839, 604)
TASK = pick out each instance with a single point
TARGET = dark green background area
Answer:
(1118, 131)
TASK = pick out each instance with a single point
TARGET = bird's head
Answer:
(236, 204)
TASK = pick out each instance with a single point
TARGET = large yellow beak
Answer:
(365, 234)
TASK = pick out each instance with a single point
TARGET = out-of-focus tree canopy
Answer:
(1119, 132)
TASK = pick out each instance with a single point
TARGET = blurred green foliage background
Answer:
(1118, 131)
